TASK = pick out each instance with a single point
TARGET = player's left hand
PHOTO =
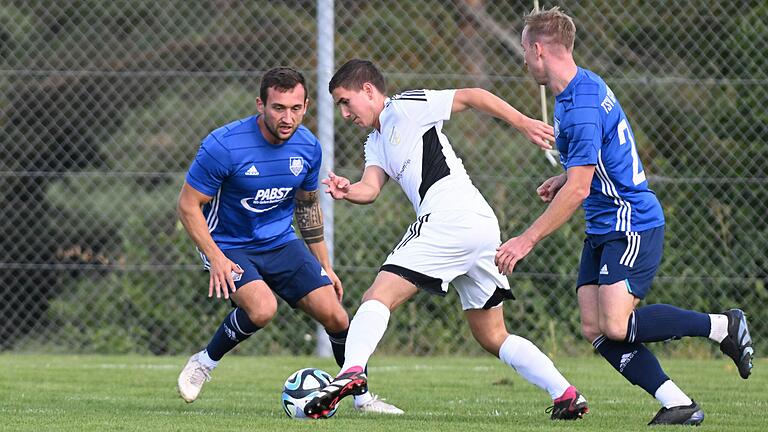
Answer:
(336, 283)
(338, 187)
(512, 251)
(538, 133)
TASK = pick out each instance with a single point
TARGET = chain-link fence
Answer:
(104, 104)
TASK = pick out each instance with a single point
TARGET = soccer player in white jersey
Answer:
(247, 182)
(625, 226)
(452, 240)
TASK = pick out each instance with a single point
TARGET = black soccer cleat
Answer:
(738, 344)
(350, 383)
(680, 415)
(572, 405)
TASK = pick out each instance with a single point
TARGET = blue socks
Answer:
(659, 322)
(634, 361)
(235, 329)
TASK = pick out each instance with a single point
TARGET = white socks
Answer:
(670, 395)
(363, 399)
(208, 362)
(365, 332)
(533, 365)
(718, 327)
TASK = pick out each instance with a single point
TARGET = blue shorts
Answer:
(290, 270)
(633, 257)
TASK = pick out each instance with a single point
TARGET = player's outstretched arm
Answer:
(309, 218)
(482, 100)
(566, 201)
(363, 192)
(191, 216)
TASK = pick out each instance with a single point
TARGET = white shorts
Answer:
(453, 247)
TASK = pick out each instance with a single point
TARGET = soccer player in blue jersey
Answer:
(625, 226)
(248, 180)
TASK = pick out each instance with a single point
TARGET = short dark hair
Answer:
(355, 73)
(282, 79)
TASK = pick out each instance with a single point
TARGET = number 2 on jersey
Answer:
(638, 176)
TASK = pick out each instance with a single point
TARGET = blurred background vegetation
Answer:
(104, 104)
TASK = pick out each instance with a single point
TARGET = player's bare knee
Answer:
(590, 332)
(336, 322)
(262, 313)
(491, 342)
(614, 329)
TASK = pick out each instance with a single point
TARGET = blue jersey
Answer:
(253, 183)
(592, 129)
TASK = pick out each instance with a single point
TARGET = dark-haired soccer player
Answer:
(625, 226)
(249, 179)
(453, 239)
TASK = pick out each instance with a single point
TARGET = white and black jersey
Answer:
(456, 233)
(412, 149)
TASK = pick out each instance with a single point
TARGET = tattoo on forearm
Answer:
(309, 217)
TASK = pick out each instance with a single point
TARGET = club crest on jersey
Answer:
(394, 137)
(296, 164)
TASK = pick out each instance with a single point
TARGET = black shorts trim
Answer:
(422, 281)
(498, 296)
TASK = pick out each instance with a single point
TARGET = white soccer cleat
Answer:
(378, 406)
(192, 378)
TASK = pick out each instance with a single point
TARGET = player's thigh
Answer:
(390, 289)
(488, 328)
(436, 249)
(589, 311)
(615, 304)
(483, 287)
(257, 300)
(293, 272)
(323, 305)
(634, 258)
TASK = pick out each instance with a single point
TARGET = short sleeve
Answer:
(372, 155)
(313, 170)
(439, 105)
(210, 167)
(425, 107)
(585, 137)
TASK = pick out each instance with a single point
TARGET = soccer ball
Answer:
(300, 388)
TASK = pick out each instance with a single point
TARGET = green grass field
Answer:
(103, 393)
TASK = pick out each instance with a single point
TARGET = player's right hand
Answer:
(338, 187)
(221, 276)
(549, 188)
(538, 133)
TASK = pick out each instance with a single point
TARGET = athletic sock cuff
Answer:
(374, 306)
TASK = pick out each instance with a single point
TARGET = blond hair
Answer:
(552, 26)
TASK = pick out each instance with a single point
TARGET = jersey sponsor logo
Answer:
(557, 127)
(266, 197)
(609, 101)
(604, 270)
(323, 272)
(252, 171)
(399, 174)
(296, 164)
